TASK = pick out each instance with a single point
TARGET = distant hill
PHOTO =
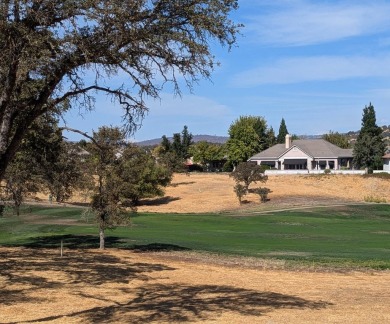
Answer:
(196, 138)
(352, 135)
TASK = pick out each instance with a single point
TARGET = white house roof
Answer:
(317, 148)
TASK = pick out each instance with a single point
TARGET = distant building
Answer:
(386, 162)
(315, 154)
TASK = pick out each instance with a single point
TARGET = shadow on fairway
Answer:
(92, 242)
(158, 247)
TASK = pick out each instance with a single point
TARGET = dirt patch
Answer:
(116, 286)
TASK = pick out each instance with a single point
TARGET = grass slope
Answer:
(349, 235)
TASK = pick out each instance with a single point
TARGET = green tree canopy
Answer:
(57, 54)
(44, 162)
(125, 174)
(174, 154)
(369, 147)
(247, 136)
(282, 132)
(337, 139)
(204, 152)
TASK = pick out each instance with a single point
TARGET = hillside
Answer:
(196, 138)
(352, 135)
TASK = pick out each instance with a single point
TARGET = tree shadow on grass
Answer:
(186, 303)
(90, 241)
(158, 247)
(32, 268)
(157, 201)
(181, 183)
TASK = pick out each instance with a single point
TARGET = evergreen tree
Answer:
(369, 147)
(124, 174)
(282, 132)
(271, 138)
(165, 144)
(177, 147)
(186, 142)
(173, 154)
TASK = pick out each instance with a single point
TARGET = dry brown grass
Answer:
(205, 192)
(116, 286)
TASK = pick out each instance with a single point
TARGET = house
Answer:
(386, 162)
(316, 154)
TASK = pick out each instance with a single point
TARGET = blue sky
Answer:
(314, 63)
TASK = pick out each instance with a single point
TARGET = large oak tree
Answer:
(55, 54)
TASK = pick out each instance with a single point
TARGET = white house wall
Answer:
(295, 153)
(386, 165)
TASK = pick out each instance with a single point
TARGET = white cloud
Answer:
(201, 114)
(187, 105)
(316, 68)
(299, 23)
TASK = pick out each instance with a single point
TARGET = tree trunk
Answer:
(102, 238)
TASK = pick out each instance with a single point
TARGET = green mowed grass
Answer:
(353, 235)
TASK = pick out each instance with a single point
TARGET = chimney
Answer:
(288, 141)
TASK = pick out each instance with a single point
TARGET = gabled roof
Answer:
(317, 148)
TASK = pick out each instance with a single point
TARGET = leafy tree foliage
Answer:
(271, 138)
(204, 152)
(247, 136)
(166, 145)
(124, 174)
(186, 142)
(282, 132)
(44, 162)
(21, 179)
(240, 191)
(248, 173)
(369, 147)
(173, 155)
(59, 164)
(337, 139)
(263, 193)
(104, 163)
(50, 49)
(141, 177)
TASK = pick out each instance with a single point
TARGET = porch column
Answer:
(277, 165)
(308, 164)
(281, 164)
(327, 164)
(336, 164)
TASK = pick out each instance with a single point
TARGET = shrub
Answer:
(374, 199)
(240, 191)
(263, 193)
(327, 171)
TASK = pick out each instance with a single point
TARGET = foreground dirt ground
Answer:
(89, 286)
(213, 192)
